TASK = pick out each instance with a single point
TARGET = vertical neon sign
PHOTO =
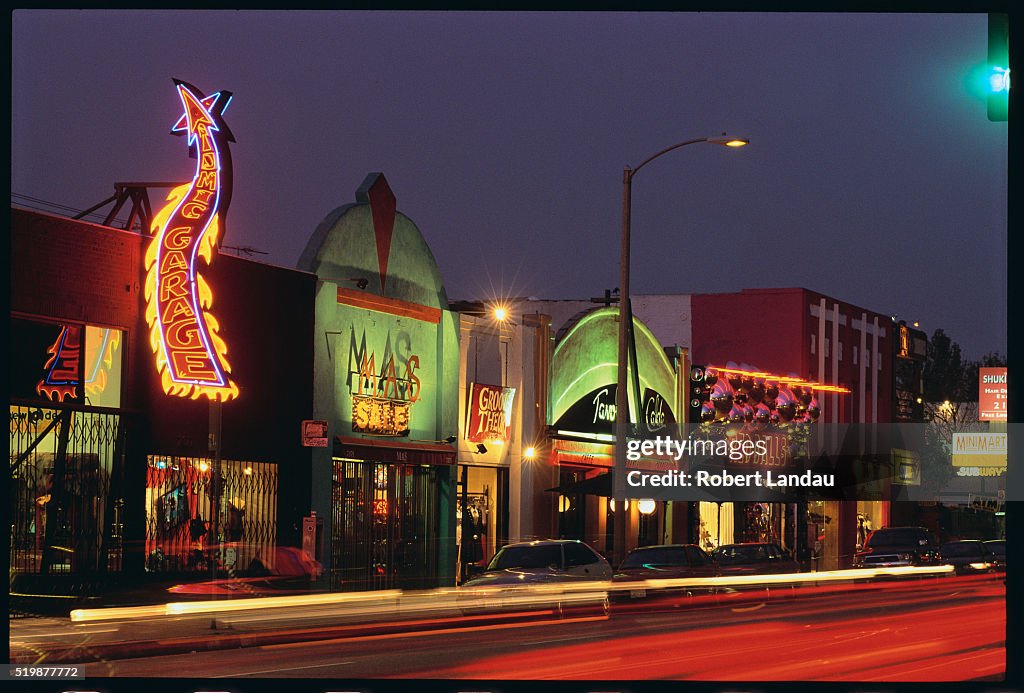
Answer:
(190, 355)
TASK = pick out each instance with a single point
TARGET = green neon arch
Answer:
(586, 359)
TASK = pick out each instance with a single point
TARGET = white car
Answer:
(539, 574)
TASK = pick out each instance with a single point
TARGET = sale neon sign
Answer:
(190, 354)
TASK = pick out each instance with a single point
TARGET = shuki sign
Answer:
(992, 392)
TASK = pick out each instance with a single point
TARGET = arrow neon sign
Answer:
(190, 354)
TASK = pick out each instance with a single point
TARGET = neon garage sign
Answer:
(190, 355)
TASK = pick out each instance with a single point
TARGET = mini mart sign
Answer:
(979, 450)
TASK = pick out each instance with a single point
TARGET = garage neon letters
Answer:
(190, 355)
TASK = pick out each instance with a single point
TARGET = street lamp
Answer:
(625, 328)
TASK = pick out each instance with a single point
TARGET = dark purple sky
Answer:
(873, 175)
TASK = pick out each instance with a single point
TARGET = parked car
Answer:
(967, 557)
(756, 558)
(660, 562)
(515, 578)
(666, 561)
(996, 549)
(898, 546)
(551, 560)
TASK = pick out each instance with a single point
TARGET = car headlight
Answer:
(980, 566)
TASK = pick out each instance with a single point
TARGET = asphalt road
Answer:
(943, 630)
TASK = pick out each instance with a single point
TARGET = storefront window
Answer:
(66, 363)
(481, 516)
(181, 534)
(64, 514)
(716, 525)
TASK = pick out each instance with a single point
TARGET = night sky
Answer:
(873, 174)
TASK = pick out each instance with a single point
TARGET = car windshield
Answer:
(656, 558)
(959, 549)
(540, 556)
(741, 554)
(896, 537)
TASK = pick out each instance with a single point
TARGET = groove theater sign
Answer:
(190, 355)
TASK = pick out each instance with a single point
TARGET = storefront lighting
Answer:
(247, 471)
(500, 313)
(611, 504)
(204, 467)
(563, 504)
(530, 453)
(646, 506)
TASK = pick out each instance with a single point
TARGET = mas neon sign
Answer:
(190, 355)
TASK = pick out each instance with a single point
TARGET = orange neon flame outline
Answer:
(99, 358)
(191, 356)
(789, 380)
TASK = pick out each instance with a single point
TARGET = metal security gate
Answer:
(384, 526)
(65, 492)
(179, 517)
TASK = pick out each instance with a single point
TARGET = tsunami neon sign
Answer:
(190, 354)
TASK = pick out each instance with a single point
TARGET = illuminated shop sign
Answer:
(584, 373)
(190, 355)
(979, 454)
(62, 368)
(383, 389)
(992, 393)
(490, 413)
(594, 414)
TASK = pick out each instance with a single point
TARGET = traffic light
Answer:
(998, 67)
(699, 392)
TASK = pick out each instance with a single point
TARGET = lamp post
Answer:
(625, 330)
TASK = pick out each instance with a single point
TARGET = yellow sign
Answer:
(379, 416)
(979, 450)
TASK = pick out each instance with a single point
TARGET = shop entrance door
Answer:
(385, 526)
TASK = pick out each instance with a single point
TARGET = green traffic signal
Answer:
(999, 67)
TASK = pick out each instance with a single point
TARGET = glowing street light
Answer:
(625, 329)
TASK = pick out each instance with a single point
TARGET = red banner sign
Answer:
(489, 413)
(992, 393)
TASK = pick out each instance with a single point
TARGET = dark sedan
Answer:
(661, 562)
(967, 557)
(996, 549)
(765, 558)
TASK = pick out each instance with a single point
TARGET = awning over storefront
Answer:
(393, 451)
(600, 485)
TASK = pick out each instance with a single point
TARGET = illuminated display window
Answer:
(66, 363)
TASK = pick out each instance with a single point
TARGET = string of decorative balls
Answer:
(737, 398)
